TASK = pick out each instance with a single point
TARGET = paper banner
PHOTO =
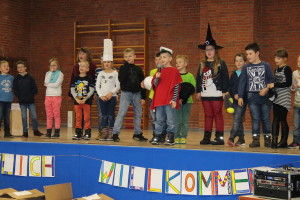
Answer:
(35, 165)
(107, 172)
(173, 182)
(121, 175)
(155, 179)
(137, 178)
(7, 164)
(189, 182)
(21, 165)
(48, 166)
(222, 182)
(206, 183)
(240, 181)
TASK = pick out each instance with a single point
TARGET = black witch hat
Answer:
(209, 40)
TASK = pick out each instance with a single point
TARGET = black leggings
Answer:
(279, 117)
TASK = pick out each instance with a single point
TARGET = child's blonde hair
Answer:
(183, 57)
(129, 50)
(85, 62)
(3, 61)
(57, 62)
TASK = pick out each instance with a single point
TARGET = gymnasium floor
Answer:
(126, 140)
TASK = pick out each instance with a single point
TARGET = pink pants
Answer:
(213, 111)
(52, 105)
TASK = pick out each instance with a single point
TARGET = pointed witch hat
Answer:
(209, 40)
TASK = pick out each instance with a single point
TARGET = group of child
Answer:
(170, 100)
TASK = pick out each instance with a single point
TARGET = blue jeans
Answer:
(5, 108)
(32, 112)
(260, 112)
(296, 124)
(238, 118)
(165, 114)
(108, 109)
(99, 113)
(126, 99)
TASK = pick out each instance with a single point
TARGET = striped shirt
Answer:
(283, 81)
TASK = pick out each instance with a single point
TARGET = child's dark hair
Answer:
(21, 62)
(253, 46)
(281, 53)
(157, 54)
(242, 55)
(88, 53)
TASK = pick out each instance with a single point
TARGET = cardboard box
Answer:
(102, 197)
(10, 193)
(58, 192)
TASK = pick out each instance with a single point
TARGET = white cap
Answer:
(161, 49)
(108, 50)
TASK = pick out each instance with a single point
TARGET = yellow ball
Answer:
(230, 110)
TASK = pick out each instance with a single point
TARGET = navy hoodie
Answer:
(25, 88)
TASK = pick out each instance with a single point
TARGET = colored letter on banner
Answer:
(154, 181)
(21, 165)
(121, 175)
(137, 178)
(189, 182)
(222, 182)
(251, 179)
(48, 166)
(240, 181)
(173, 182)
(206, 183)
(7, 164)
(35, 165)
(107, 172)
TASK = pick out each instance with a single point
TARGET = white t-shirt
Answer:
(107, 82)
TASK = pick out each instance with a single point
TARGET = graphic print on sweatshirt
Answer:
(6, 86)
(257, 79)
(280, 76)
(81, 89)
(207, 81)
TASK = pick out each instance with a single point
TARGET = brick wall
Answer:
(14, 30)
(180, 25)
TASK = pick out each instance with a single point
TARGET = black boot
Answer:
(206, 138)
(256, 141)
(56, 134)
(78, 134)
(241, 141)
(170, 139)
(48, 134)
(7, 134)
(219, 140)
(25, 134)
(37, 133)
(87, 134)
(267, 140)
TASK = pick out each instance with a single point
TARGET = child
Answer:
(6, 97)
(282, 103)
(151, 93)
(130, 77)
(239, 111)
(107, 86)
(255, 80)
(82, 90)
(212, 84)
(25, 88)
(166, 97)
(183, 114)
(296, 87)
(53, 81)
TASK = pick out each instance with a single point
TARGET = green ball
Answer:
(230, 110)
